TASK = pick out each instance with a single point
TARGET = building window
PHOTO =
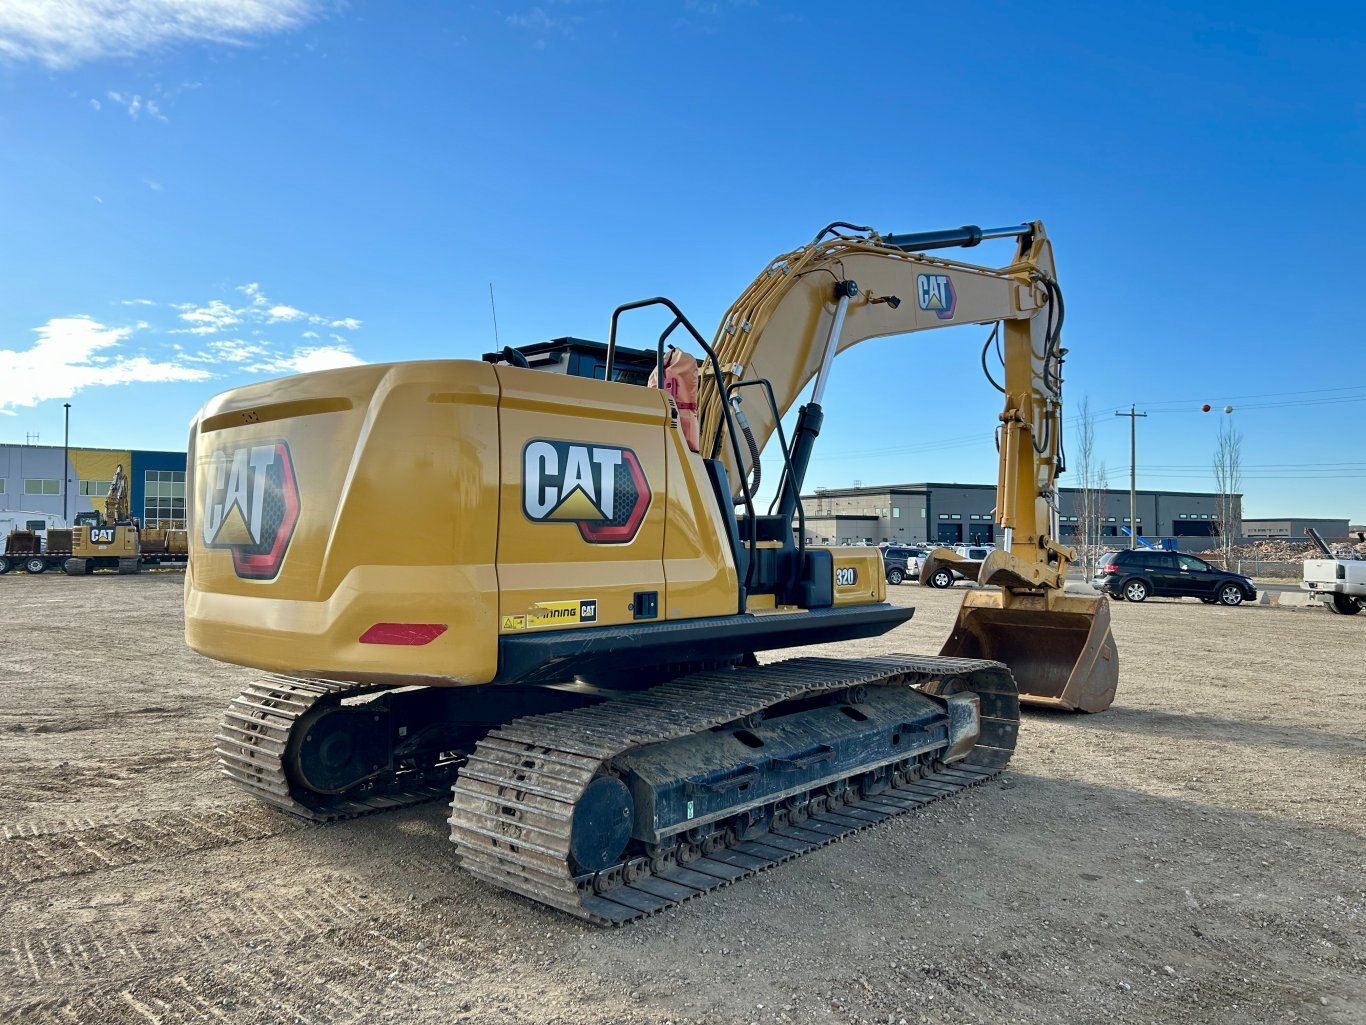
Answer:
(41, 486)
(164, 499)
(95, 488)
(957, 516)
(896, 509)
(2, 485)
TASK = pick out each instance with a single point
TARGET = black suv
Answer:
(1135, 574)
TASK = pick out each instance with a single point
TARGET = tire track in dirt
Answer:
(30, 853)
(317, 957)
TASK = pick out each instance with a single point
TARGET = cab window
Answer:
(1191, 562)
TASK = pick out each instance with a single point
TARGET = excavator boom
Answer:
(851, 284)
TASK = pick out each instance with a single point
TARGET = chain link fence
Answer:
(1264, 568)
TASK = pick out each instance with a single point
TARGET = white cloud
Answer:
(228, 350)
(253, 292)
(78, 352)
(541, 26)
(94, 104)
(74, 353)
(135, 105)
(64, 33)
(303, 361)
(218, 317)
(208, 320)
(154, 185)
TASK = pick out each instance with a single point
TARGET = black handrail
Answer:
(787, 456)
(722, 390)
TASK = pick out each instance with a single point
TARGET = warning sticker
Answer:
(514, 622)
(559, 613)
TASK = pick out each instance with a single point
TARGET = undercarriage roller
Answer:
(652, 798)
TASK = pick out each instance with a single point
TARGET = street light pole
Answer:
(1133, 416)
(66, 465)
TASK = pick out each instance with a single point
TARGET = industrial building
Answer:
(39, 483)
(964, 513)
(1292, 528)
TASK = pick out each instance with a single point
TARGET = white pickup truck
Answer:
(1338, 583)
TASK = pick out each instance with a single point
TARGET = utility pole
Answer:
(66, 465)
(1133, 416)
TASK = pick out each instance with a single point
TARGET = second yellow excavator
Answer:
(543, 594)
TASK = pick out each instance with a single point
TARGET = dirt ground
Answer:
(1195, 854)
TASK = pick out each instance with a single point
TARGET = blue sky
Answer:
(249, 188)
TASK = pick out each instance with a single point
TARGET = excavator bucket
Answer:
(1058, 646)
(947, 558)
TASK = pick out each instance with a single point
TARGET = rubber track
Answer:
(254, 735)
(513, 800)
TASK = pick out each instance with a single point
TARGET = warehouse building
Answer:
(39, 483)
(1292, 528)
(965, 513)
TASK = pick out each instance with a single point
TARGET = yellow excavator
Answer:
(112, 543)
(542, 595)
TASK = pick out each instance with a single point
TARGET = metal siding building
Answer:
(1292, 528)
(32, 479)
(957, 513)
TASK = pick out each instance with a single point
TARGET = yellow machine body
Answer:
(112, 541)
(463, 500)
(416, 538)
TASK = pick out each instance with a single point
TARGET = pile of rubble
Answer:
(1277, 550)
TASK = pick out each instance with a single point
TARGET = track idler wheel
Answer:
(601, 825)
(340, 749)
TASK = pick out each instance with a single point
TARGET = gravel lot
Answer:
(1195, 854)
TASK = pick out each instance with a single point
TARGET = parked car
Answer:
(1136, 574)
(900, 562)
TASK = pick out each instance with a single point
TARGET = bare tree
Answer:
(1228, 483)
(1092, 482)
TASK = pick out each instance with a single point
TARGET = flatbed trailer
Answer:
(42, 562)
(111, 548)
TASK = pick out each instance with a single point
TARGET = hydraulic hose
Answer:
(757, 471)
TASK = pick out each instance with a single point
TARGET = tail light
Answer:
(1112, 567)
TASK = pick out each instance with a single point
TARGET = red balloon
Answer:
(1205, 408)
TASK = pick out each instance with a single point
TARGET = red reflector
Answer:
(403, 633)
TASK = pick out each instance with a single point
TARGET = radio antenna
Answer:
(494, 307)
